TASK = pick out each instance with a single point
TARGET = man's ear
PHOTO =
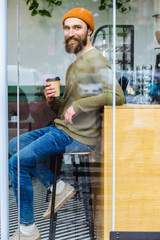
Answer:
(90, 31)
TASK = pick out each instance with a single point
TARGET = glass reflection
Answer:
(136, 129)
(76, 126)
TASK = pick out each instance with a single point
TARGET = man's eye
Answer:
(77, 27)
(66, 28)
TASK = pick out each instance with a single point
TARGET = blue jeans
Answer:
(35, 148)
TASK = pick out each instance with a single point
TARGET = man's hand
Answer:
(69, 115)
(49, 92)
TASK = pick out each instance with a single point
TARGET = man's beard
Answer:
(81, 44)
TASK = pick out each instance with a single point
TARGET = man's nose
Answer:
(71, 32)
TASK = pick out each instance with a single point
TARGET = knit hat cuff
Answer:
(82, 14)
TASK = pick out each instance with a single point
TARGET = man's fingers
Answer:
(68, 118)
(69, 115)
(47, 84)
(49, 91)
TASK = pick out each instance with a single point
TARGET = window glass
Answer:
(36, 52)
(136, 125)
(118, 191)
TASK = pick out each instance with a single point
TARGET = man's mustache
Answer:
(71, 38)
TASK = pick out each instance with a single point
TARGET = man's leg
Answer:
(26, 139)
(31, 156)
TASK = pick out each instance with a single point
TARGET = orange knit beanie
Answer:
(82, 14)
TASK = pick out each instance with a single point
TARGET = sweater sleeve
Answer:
(95, 85)
(94, 102)
(55, 105)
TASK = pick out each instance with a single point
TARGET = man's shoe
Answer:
(32, 236)
(60, 199)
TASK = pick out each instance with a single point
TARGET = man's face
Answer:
(76, 34)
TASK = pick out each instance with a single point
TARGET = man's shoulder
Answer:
(97, 60)
(94, 52)
(93, 57)
(91, 61)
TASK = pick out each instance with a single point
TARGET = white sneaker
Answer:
(32, 236)
(60, 199)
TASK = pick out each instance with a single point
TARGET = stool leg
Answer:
(75, 175)
(87, 195)
(53, 217)
(74, 170)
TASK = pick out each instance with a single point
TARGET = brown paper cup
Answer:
(56, 83)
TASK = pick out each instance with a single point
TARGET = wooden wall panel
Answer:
(137, 186)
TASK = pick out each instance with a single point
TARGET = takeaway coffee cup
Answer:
(56, 83)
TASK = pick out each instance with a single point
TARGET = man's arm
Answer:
(94, 102)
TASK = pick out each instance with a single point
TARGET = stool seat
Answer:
(76, 153)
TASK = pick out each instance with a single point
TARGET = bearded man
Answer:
(77, 127)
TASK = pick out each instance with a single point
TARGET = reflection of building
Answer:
(90, 89)
(27, 76)
(51, 44)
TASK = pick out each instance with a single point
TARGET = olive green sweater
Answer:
(88, 89)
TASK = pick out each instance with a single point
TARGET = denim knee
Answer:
(12, 164)
(12, 146)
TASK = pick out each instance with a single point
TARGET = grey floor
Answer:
(71, 223)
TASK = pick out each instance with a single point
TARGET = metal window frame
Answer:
(4, 203)
(116, 235)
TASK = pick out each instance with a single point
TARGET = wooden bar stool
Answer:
(86, 190)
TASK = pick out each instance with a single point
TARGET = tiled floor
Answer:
(71, 223)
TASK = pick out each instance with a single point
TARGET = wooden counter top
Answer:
(134, 106)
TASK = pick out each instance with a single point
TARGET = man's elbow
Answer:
(120, 99)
